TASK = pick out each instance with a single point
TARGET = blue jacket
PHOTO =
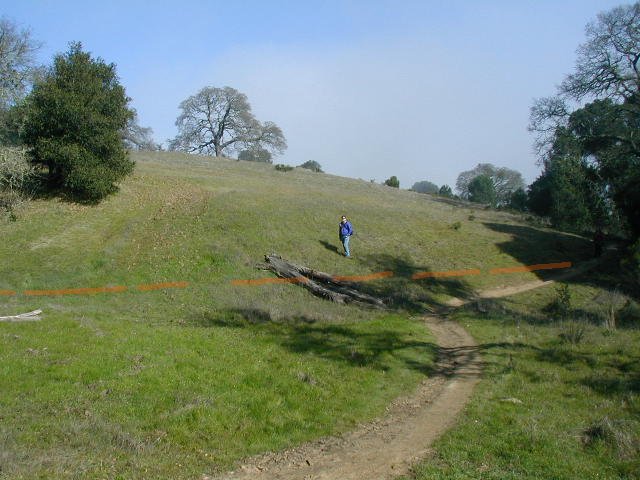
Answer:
(345, 229)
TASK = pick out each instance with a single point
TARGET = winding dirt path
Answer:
(387, 447)
(506, 290)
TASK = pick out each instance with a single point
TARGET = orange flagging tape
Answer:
(448, 273)
(530, 268)
(265, 281)
(364, 278)
(160, 286)
(75, 291)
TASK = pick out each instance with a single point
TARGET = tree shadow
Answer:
(337, 343)
(614, 383)
(41, 187)
(351, 346)
(495, 309)
(456, 202)
(532, 246)
(402, 292)
(607, 372)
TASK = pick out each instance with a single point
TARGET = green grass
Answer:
(83, 397)
(576, 412)
(179, 382)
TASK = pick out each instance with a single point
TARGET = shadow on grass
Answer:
(614, 383)
(357, 347)
(605, 370)
(338, 343)
(492, 309)
(42, 188)
(607, 373)
(530, 246)
(455, 202)
(329, 246)
(401, 292)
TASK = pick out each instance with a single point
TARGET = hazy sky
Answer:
(418, 89)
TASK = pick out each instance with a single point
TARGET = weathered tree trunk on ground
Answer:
(319, 283)
(23, 317)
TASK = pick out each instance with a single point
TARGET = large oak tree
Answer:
(219, 120)
(597, 111)
(505, 182)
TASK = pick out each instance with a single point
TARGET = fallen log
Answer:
(319, 283)
(23, 317)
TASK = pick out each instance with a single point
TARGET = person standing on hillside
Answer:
(345, 230)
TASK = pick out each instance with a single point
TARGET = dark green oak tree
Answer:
(75, 117)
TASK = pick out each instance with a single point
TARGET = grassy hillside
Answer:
(175, 382)
(560, 397)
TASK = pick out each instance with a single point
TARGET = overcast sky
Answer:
(418, 89)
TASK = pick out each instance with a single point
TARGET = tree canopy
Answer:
(255, 155)
(505, 181)
(17, 62)
(392, 182)
(445, 191)
(601, 132)
(425, 186)
(312, 165)
(219, 120)
(74, 122)
(482, 190)
(18, 71)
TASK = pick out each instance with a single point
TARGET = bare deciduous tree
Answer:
(216, 120)
(17, 57)
(136, 137)
(606, 67)
(607, 63)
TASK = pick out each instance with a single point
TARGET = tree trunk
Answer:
(320, 284)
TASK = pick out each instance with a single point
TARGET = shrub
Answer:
(518, 200)
(616, 434)
(312, 165)
(16, 177)
(455, 226)
(611, 302)
(283, 168)
(255, 155)
(392, 182)
(572, 331)
(445, 191)
(9, 200)
(560, 306)
(74, 121)
(629, 315)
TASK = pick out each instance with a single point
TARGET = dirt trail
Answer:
(505, 291)
(387, 447)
